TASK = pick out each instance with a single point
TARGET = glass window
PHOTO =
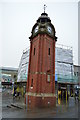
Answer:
(77, 74)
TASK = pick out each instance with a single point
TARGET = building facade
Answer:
(23, 66)
(8, 75)
(77, 72)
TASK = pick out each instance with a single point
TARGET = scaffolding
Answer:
(23, 66)
(64, 69)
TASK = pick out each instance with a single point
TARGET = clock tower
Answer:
(41, 69)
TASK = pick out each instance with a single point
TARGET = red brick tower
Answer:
(41, 69)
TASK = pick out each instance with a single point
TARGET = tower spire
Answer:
(44, 7)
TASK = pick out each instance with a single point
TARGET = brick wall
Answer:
(41, 65)
(41, 102)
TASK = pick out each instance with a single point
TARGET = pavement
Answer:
(16, 108)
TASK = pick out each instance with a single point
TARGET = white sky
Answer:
(17, 18)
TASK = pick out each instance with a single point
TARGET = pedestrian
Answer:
(14, 92)
(22, 91)
(18, 92)
(75, 95)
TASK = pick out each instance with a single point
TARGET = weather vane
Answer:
(44, 7)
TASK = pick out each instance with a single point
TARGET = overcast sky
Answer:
(18, 18)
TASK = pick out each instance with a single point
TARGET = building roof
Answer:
(44, 18)
(77, 66)
(9, 69)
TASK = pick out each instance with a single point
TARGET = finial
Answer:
(44, 7)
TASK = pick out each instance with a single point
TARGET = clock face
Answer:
(49, 29)
(36, 29)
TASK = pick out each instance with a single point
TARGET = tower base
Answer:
(39, 101)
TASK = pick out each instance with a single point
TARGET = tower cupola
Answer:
(43, 25)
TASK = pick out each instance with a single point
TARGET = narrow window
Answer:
(34, 51)
(48, 78)
(32, 83)
(49, 51)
